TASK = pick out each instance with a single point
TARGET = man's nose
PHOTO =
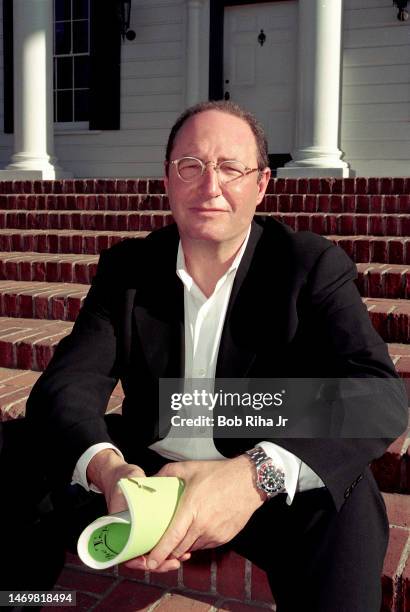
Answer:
(210, 180)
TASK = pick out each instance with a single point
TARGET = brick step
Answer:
(396, 567)
(375, 249)
(15, 387)
(346, 224)
(391, 318)
(400, 354)
(17, 331)
(335, 203)
(96, 220)
(281, 202)
(85, 186)
(35, 300)
(45, 267)
(62, 241)
(362, 249)
(375, 280)
(359, 185)
(62, 301)
(392, 470)
(381, 280)
(81, 201)
(343, 224)
(29, 344)
(217, 580)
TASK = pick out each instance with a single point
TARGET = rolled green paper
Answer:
(116, 538)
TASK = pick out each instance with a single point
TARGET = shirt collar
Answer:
(186, 277)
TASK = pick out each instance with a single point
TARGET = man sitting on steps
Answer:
(218, 294)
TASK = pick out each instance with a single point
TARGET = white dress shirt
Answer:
(204, 320)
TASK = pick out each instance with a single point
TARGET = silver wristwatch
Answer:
(269, 478)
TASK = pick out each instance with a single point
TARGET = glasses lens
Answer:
(230, 170)
(189, 169)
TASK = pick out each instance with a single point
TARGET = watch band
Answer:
(257, 455)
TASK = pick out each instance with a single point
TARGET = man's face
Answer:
(206, 209)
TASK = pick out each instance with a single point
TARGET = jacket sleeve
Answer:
(67, 404)
(345, 335)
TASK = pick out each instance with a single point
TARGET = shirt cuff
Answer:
(80, 471)
(288, 462)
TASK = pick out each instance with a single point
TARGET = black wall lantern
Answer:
(125, 19)
(403, 13)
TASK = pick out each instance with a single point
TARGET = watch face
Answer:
(270, 478)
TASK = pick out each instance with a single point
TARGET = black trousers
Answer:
(316, 559)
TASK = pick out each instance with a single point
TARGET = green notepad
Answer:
(116, 538)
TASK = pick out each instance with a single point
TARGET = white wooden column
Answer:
(316, 151)
(33, 93)
(193, 52)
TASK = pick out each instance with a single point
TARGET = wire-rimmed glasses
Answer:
(191, 168)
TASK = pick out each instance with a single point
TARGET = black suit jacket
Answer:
(294, 311)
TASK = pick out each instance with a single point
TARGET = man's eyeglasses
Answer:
(191, 168)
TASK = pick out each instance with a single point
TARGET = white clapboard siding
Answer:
(121, 153)
(113, 169)
(376, 75)
(144, 137)
(386, 130)
(369, 113)
(391, 56)
(147, 120)
(375, 112)
(371, 167)
(152, 85)
(164, 67)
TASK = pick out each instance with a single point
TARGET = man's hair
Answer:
(230, 108)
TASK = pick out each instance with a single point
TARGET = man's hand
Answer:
(218, 500)
(105, 470)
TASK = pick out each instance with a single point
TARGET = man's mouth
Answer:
(208, 210)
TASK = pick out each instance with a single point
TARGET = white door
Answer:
(262, 78)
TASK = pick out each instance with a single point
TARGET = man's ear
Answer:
(264, 176)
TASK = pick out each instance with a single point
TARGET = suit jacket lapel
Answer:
(237, 348)
(159, 308)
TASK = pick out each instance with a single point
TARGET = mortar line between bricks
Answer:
(166, 595)
(6, 411)
(213, 575)
(13, 377)
(3, 395)
(248, 579)
(403, 558)
(400, 527)
(100, 598)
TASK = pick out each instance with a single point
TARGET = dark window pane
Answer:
(81, 105)
(80, 9)
(64, 105)
(81, 71)
(80, 36)
(64, 73)
(54, 72)
(55, 106)
(63, 38)
(62, 10)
